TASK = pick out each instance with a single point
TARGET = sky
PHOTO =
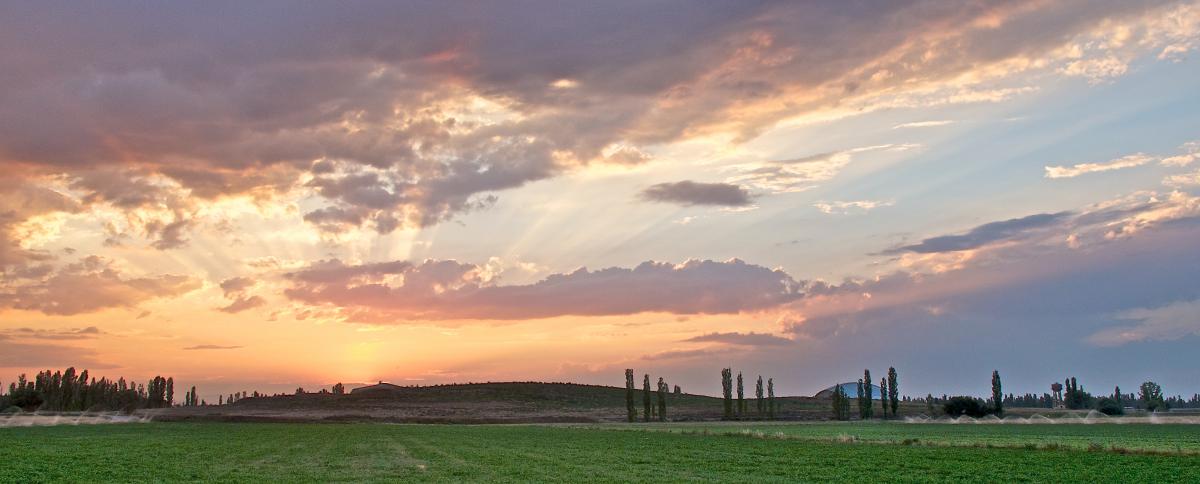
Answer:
(259, 196)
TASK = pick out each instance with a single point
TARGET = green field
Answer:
(1170, 438)
(383, 452)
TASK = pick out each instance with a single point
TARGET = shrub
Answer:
(1109, 406)
(26, 398)
(959, 406)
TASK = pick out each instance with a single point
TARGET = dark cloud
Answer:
(236, 285)
(741, 339)
(985, 234)
(446, 290)
(688, 192)
(684, 354)
(374, 104)
(243, 303)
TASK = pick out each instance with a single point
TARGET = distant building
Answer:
(851, 391)
(378, 387)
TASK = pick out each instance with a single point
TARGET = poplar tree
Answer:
(759, 402)
(997, 394)
(841, 403)
(861, 412)
(741, 403)
(883, 396)
(771, 398)
(649, 407)
(893, 390)
(868, 404)
(629, 395)
(727, 390)
(662, 400)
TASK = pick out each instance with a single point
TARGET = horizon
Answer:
(275, 195)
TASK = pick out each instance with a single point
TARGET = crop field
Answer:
(1133, 437)
(388, 452)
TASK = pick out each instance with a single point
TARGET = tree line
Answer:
(68, 391)
(654, 403)
(889, 397)
(764, 402)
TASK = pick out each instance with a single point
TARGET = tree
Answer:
(299, 391)
(1109, 406)
(1117, 394)
(629, 406)
(997, 394)
(841, 404)
(338, 389)
(727, 390)
(759, 402)
(170, 390)
(893, 390)
(883, 396)
(1151, 397)
(771, 398)
(959, 406)
(859, 399)
(867, 406)
(929, 403)
(649, 407)
(1076, 398)
(741, 403)
(678, 391)
(662, 400)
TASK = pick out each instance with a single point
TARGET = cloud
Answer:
(1183, 180)
(781, 176)
(985, 234)
(1017, 264)
(52, 334)
(90, 285)
(30, 355)
(688, 192)
(236, 285)
(741, 339)
(211, 347)
(845, 207)
(394, 292)
(243, 303)
(1190, 153)
(20, 202)
(1130, 161)
(684, 354)
(416, 115)
(923, 124)
(1170, 322)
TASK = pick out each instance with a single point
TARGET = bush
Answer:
(971, 407)
(1109, 406)
(25, 398)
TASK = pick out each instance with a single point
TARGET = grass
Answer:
(381, 452)
(1140, 437)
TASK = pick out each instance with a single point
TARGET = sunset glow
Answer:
(247, 199)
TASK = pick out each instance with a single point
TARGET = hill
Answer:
(509, 402)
